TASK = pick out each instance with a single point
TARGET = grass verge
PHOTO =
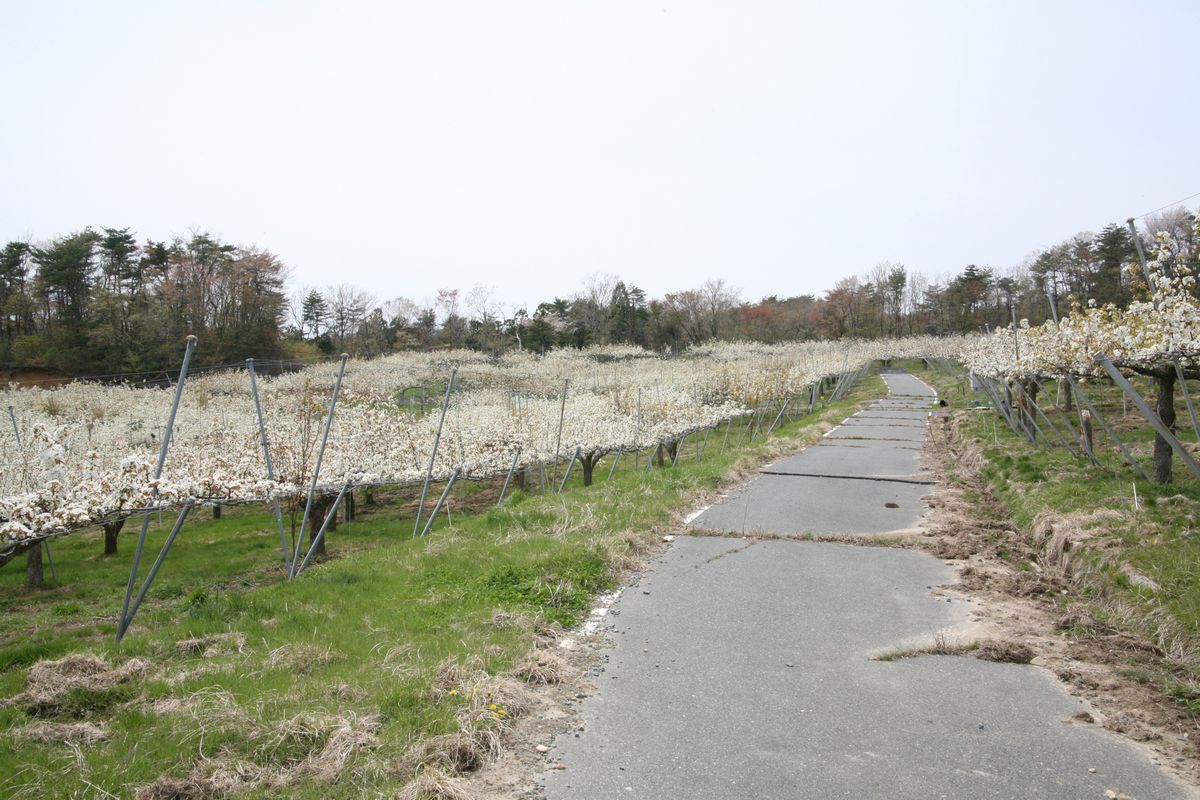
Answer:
(1118, 557)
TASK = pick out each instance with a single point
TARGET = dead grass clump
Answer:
(1055, 535)
(62, 733)
(301, 658)
(507, 620)
(344, 737)
(210, 778)
(271, 754)
(484, 700)
(1005, 652)
(547, 630)
(465, 750)
(434, 785)
(50, 684)
(212, 645)
(541, 667)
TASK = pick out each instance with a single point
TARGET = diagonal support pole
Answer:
(570, 466)
(613, 468)
(433, 455)
(316, 540)
(1148, 413)
(168, 434)
(508, 477)
(312, 487)
(445, 493)
(158, 562)
(266, 449)
(1083, 399)
(778, 417)
(1038, 411)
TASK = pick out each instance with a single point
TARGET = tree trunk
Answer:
(216, 510)
(1166, 412)
(321, 506)
(588, 464)
(33, 567)
(111, 531)
(351, 511)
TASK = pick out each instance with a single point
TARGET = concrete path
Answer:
(743, 669)
(864, 478)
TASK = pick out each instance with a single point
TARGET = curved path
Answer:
(742, 668)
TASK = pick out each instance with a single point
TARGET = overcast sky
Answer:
(407, 147)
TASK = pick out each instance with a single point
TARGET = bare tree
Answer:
(348, 306)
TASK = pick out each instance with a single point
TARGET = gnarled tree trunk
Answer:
(111, 531)
(1165, 408)
(33, 566)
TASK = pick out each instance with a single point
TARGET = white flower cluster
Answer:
(1146, 336)
(88, 451)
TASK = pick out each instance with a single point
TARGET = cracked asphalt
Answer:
(744, 668)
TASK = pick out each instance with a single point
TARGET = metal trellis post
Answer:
(613, 468)
(433, 455)
(312, 487)
(508, 477)
(316, 540)
(123, 622)
(567, 474)
(1082, 397)
(266, 448)
(1148, 413)
(438, 506)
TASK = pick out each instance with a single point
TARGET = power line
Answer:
(1169, 205)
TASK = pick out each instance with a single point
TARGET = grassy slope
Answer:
(1157, 537)
(360, 633)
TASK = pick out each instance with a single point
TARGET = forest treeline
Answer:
(100, 302)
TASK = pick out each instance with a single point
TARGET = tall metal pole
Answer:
(312, 487)
(433, 455)
(123, 623)
(562, 414)
(266, 449)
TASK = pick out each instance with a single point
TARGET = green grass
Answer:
(362, 632)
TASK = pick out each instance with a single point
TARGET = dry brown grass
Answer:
(541, 667)
(465, 750)
(434, 785)
(1005, 652)
(51, 683)
(62, 733)
(299, 658)
(213, 645)
(277, 754)
(941, 644)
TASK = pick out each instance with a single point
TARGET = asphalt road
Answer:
(744, 668)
